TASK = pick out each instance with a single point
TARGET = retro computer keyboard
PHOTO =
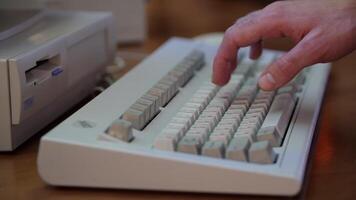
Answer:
(164, 126)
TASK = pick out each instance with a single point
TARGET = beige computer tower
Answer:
(49, 67)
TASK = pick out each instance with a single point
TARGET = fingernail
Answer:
(267, 81)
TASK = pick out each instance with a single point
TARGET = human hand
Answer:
(323, 30)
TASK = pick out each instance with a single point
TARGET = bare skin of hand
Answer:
(323, 31)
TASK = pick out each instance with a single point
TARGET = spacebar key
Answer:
(276, 122)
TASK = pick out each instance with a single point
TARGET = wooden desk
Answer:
(332, 168)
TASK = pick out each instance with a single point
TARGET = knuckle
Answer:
(249, 19)
(276, 10)
(315, 49)
(275, 6)
(229, 33)
(229, 30)
(254, 14)
(272, 16)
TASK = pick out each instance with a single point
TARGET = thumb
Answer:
(307, 52)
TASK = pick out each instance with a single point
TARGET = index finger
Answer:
(246, 31)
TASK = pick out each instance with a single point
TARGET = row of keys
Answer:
(255, 115)
(186, 116)
(232, 118)
(147, 106)
(199, 133)
(244, 146)
(241, 149)
(240, 143)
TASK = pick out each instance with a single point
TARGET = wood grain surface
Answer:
(331, 172)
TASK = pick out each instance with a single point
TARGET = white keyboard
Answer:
(165, 126)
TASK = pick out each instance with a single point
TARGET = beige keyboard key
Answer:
(257, 110)
(225, 95)
(260, 105)
(233, 116)
(279, 114)
(189, 116)
(214, 111)
(225, 129)
(200, 131)
(182, 127)
(238, 101)
(208, 126)
(214, 149)
(238, 107)
(121, 129)
(219, 103)
(170, 84)
(179, 74)
(248, 135)
(205, 91)
(159, 93)
(198, 106)
(213, 119)
(292, 88)
(237, 77)
(262, 153)
(264, 96)
(236, 112)
(201, 134)
(188, 72)
(251, 122)
(230, 123)
(257, 116)
(200, 137)
(150, 106)
(144, 109)
(245, 66)
(192, 111)
(166, 92)
(238, 149)
(190, 144)
(210, 122)
(211, 86)
(180, 120)
(203, 101)
(247, 126)
(169, 80)
(210, 116)
(221, 135)
(269, 134)
(136, 117)
(167, 140)
(203, 95)
(267, 93)
(197, 57)
(265, 101)
(154, 99)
